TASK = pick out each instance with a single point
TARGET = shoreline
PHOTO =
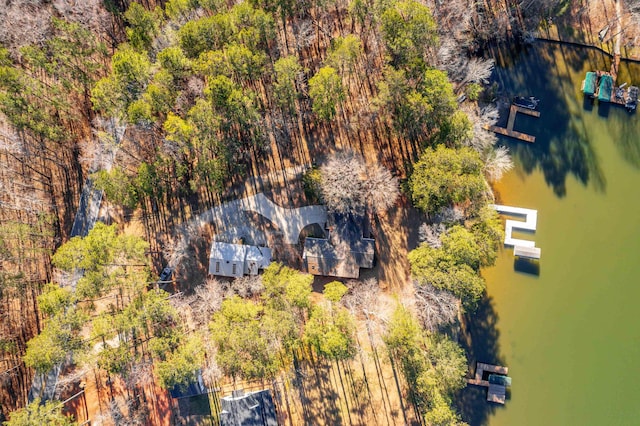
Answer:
(583, 31)
(589, 46)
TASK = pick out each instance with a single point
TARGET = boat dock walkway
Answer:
(495, 392)
(531, 219)
(508, 131)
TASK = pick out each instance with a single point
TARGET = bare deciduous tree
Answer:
(381, 187)
(124, 412)
(306, 34)
(497, 162)
(435, 307)
(100, 152)
(430, 234)
(140, 374)
(348, 184)
(481, 118)
(455, 19)
(364, 300)
(478, 70)
(25, 22)
(248, 286)
(211, 372)
(362, 297)
(450, 214)
(89, 13)
(70, 379)
(341, 182)
(196, 309)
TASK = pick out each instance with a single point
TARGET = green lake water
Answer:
(569, 332)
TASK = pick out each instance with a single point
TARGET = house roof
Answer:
(345, 251)
(192, 389)
(345, 228)
(226, 251)
(259, 254)
(251, 409)
(320, 247)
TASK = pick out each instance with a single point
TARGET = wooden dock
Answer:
(615, 65)
(527, 111)
(495, 392)
(508, 131)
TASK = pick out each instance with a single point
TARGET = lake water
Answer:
(570, 331)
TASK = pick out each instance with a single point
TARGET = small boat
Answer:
(528, 102)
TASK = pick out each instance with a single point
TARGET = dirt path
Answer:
(616, 49)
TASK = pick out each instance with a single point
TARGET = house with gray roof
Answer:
(343, 252)
(236, 260)
(250, 409)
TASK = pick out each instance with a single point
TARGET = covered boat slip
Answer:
(589, 84)
(605, 88)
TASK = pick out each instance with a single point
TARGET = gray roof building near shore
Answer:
(250, 409)
(345, 250)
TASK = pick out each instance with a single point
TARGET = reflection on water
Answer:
(563, 146)
(567, 326)
(527, 266)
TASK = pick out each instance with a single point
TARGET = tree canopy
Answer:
(254, 336)
(434, 366)
(331, 331)
(446, 176)
(452, 271)
(287, 70)
(326, 91)
(422, 108)
(40, 413)
(409, 30)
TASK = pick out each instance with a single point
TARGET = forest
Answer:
(167, 109)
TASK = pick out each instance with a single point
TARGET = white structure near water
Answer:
(236, 260)
(521, 248)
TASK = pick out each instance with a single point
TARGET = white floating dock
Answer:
(528, 252)
(522, 248)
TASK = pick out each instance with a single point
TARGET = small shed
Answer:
(250, 409)
(236, 260)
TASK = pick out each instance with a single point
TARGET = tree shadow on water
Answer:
(480, 339)
(625, 136)
(562, 146)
